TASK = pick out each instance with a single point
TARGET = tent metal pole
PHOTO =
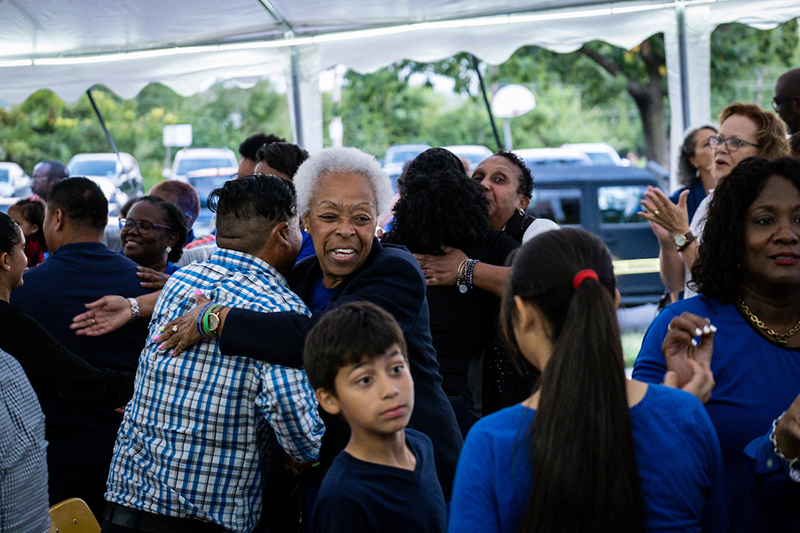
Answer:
(486, 101)
(294, 67)
(684, 67)
(103, 124)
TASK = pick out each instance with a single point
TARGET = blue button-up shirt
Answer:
(196, 429)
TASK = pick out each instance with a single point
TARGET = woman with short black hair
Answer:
(441, 207)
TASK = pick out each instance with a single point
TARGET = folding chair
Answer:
(72, 516)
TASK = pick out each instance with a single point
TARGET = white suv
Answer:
(191, 159)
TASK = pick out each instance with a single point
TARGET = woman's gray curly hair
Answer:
(342, 160)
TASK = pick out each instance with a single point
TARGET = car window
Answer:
(555, 161)
(205, 184)
(562, 206)
(619, 205)
(402, 157)
(601, 158)
(93, 168)
(4, 175)
(189, 165)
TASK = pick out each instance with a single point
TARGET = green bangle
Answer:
(206, 328)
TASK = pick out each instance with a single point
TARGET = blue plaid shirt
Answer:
(193, 439)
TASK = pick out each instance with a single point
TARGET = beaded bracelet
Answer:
(470, 269)
(206, 328)
(465, 270)
(462, 276)
(200, 318)
(794, 472)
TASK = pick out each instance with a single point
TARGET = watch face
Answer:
(213, 322)
(680, 240)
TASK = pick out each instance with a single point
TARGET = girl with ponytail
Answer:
(589, 451)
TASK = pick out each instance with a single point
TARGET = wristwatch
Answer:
(683, 240)
(214, 321)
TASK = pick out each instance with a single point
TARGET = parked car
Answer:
(474, 153)
(119, 177)
(13, 180)
(543, 157)
(600, 154)
(190, 159)
(5, 203)
(397, 155)
(605, 201)
(204, 181)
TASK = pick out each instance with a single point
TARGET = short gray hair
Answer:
(342, 160)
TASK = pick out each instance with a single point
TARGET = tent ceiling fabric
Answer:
(48, 28)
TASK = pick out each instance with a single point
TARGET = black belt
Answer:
(155, 523)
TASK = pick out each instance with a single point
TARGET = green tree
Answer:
(604, 73)
(44, 127)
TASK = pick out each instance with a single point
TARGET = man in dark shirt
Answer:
(45, 175)
(787, 104)
(80, 270)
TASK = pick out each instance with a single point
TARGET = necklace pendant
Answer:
(781, 340)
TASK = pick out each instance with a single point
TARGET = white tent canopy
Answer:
(125, 45)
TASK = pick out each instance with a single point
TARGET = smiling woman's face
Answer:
(147, 249)
(16, 263)
(341, 220)
(771, 257)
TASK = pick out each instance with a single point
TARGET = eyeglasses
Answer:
(778, 101)
(143, 225)
(732, 144)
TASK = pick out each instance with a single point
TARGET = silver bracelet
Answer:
(794, 472)
(134, 308)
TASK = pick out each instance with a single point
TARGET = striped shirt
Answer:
(193, 439)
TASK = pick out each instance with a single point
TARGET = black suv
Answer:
(604, 200)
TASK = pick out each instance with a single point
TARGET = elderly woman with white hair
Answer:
(341, 193)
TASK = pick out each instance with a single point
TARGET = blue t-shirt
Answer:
(171, 268)
(677, 457)
(368, 497)
(307, 248)
(320, 296)
(756, 380)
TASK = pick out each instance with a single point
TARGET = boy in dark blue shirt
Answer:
(385, 479)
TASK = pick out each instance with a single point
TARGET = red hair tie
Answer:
(582, 275)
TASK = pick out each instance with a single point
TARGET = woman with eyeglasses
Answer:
(745, 130)
(153, 233)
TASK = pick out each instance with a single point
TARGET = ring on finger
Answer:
(174, 329)
(656, 213)
(94, 322)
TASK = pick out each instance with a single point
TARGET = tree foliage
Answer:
(598, 93)
(44, 127)
(607, 76)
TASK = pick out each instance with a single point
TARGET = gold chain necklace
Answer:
(780, 337)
